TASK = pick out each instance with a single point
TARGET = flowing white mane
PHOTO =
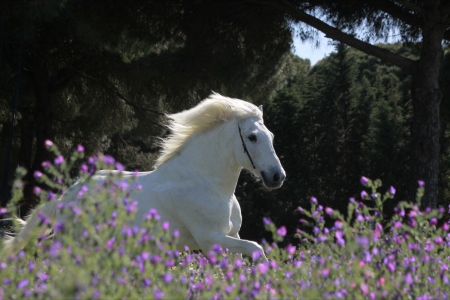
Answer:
(214, 110)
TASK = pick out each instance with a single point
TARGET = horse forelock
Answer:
(214, 110)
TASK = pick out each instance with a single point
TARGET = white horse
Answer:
(195, 178)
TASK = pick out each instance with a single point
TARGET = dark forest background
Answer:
(346, 117)
(103, 73)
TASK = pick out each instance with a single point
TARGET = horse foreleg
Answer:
(236, 236)
(233, 244)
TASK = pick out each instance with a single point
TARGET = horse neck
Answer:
(209, 156)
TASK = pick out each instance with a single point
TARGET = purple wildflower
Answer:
(167, 277)
(290, 249)
(313, 200)
(158, 294)
(42, 276)
(256, 255)
(108, 159)
(37, 190)
(338, 224)
(363, 194)
(362, 240)
(23, 283)
(92, 160)
(438, 240)
(433, 221)
(84, 168)
(392, 190)
(325, 272)
(421, 183)
(48, 143)
(364, 180)
(329, 210)
(165, 226)
(82, 191)
(51, 196)
(59, 160)
(37, 174)
(46, 164)
(59, 227)
(263, 268)
(281, 231)
(76, 210)
(267, 221)
(119, 167)
(110, 243)
(397, 224)
(391, 266)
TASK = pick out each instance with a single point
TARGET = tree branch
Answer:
(336, 34)
(397, 12)
(411, 6)
(112, 89)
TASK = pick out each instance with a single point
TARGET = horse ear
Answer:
(260, 108)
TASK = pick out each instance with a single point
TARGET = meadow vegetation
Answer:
(98, 253)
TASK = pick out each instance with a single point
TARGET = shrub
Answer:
(98, 253)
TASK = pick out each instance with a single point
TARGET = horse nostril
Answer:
(276, 177)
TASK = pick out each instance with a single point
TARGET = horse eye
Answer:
(252, 137)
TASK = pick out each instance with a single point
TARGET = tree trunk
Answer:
(425, 126)
(43, 130)
(26, 156)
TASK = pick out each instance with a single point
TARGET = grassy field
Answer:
(98, 254)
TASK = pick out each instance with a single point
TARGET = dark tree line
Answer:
(101, 73)
(348, 116)
(425, 22)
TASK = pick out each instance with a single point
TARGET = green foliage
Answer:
(348, 116)
(102, 74)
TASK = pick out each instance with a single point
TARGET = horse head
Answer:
(257, 154)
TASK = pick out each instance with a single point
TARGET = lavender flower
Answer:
(59, 160)
(392, 190)
(364, 180)
(23, 283)
(282, 231)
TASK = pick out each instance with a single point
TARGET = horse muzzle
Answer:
(274, 179)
